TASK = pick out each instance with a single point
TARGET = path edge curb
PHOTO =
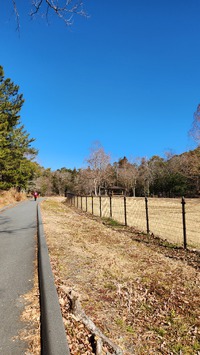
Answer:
(53, 336)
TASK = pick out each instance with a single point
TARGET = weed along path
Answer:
(17, 256)
(143, 297)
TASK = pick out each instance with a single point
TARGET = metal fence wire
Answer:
(176, 220)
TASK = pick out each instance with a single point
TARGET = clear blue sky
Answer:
(128, 77)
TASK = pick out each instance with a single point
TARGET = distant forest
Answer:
(174, 175)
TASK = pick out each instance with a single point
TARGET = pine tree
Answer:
(16, 153)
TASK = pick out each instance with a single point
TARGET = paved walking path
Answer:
(17, 255)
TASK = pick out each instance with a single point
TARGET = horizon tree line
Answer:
(172, 176)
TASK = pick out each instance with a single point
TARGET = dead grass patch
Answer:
(10, 197)
(144, 301)
(165, 215)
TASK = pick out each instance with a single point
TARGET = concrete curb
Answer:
(53, 337)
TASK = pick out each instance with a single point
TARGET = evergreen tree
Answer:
(16, 153)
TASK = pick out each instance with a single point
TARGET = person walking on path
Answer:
(17, 254)
(35, 194)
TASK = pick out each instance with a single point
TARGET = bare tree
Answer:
(43, 182)
(127, 174)
(195, 130)
(98, 162)
(61, 180)
(144, 176)
(84, 182)
(64, 9)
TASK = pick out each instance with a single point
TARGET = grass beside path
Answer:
(11, 197)
(142, 298)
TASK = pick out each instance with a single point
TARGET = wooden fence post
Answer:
(92, 205)
(184, 223)
(100, 205)
(125, 215)
(147, 214)
(110, 206)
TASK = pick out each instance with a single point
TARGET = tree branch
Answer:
(16, 15)
(64, 11)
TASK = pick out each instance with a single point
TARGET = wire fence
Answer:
(176, 220)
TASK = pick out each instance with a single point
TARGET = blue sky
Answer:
(128, 77)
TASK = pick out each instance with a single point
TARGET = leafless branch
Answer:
(195, 130)
(64, 11)
(16, 14)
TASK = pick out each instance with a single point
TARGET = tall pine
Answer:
(16, 152)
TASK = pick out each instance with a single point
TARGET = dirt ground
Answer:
(142, 295)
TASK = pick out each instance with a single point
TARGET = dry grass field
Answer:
(144, 297)
(165, 216)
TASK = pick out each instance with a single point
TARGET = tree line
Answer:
(172, 176)
(169, 176)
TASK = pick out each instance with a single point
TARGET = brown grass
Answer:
(165, 216)
(11, 197)
(145, 302)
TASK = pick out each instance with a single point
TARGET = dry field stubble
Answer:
(165, 216)
(143, 301)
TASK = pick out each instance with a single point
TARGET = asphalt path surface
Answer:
(17, 255)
